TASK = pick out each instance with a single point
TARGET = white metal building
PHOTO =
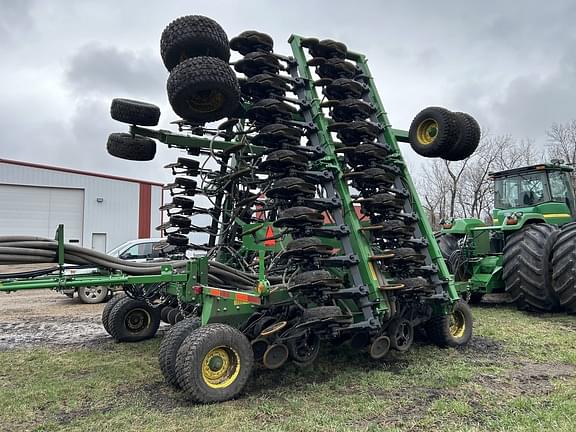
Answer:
(98, 211)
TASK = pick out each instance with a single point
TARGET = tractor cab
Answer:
(541, 191)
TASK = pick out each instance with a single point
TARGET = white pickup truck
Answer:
(140, 250)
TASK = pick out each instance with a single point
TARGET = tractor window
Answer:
(559, 185)
(520, 191)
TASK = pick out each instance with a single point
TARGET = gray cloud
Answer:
(101, 70)
(510, 66)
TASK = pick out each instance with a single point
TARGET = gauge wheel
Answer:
(133, 320)
(131, 147)
(170, 345)
(433, 132)
(203, 89)
(193, 36)
(214, 363)
(453, 329)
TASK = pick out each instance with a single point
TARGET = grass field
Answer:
(519, 373)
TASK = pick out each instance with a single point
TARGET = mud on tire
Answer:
(526, 267)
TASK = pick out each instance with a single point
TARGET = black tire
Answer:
(92, 295)
(126, 146)
(194, 352)
(564, 267)
(106, 312)
(321, 312)
(193, 36)
(170, 345)
(468, 139)
(203, 89)
(433, 132)
(526, 267)
(447, 243)
(133, 320)
(134, 112)
(452, 330)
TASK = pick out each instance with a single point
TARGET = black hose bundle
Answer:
(37, 250)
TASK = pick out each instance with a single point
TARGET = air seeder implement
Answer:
(315, 230)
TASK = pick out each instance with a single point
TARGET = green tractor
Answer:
(528, 252)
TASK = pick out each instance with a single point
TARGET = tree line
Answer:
(463, 189)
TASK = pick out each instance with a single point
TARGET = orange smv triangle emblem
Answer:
(269, 240)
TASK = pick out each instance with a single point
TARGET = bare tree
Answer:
(562, 143)
(463, 188)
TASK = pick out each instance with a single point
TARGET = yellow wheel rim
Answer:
(427, 131)
(220, 367)
(457, 324)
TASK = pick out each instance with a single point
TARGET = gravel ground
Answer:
(45, 317)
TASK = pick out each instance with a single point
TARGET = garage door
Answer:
(37, 211)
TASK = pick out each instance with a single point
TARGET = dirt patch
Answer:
(530, 379)
(44, 317)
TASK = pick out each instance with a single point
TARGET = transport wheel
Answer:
(214, 363)
(526, 267)
(126, 146)
(203, 89)
(468, 138)
(170, 345)
(564, 267)
(133, 320)
(134, 112)
(193, 36)
(93, 294)
(107, 309)
(452, 330)
(433, 132)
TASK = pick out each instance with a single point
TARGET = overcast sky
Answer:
(511, 64)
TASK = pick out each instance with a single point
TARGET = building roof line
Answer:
(75, 171)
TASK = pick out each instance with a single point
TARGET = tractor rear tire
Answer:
(133, 320)
(203, 89)
(134, 112)
(526, 267)
(193, 36)
(171, 344)
(433, 132)
(564, 267)
(106, 311)
(452, 330)
(214, 363)
(126, 146)
(468, 139)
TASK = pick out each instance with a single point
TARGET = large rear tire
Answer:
(564, 267)
(527, 270)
